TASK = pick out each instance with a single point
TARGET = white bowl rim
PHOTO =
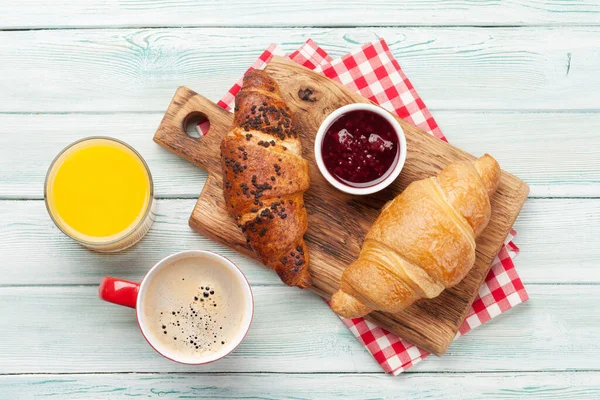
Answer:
(332, 118)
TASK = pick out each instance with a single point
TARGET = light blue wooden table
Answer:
(519, 79)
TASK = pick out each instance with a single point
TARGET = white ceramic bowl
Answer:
(394, 171)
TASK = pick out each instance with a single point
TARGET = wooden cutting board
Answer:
(339, 222)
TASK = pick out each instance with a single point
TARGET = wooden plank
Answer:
(47, 135)
(105, 13)
(559, 241)
(570, 229)
(68, 330)
(44, 328)
(52, 258)
(139, 69)
(534, 146)
(334, 239)
(526, 151)
(567, 385)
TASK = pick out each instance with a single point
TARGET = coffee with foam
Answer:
(195, 309)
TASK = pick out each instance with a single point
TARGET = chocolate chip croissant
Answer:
(422, 242)
(265, 177)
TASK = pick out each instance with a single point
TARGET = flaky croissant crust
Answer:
(265, 177)
(422, 242)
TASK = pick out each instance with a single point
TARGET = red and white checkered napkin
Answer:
(373, 72)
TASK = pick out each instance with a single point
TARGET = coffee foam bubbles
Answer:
(194, 308)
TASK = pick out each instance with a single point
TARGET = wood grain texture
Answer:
(45, 136)
(69, 330)
(531, 145)
(56, 323)
(537, 147)
(559, 241)
(568, 385)
(570, 228)
(131, 13)
(452, 68)
(462, 73)
(338, 222)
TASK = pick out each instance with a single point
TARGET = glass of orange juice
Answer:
(99, 192)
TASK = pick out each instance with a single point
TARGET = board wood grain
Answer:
(338, 222)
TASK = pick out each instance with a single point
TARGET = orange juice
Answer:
(99, 192)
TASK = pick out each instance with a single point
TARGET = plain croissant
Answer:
(422, 242)
(265, 177)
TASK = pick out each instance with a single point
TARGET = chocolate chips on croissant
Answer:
(265, 177)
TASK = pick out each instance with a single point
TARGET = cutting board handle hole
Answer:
(196, 125)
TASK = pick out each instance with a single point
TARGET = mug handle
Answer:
(119, 291)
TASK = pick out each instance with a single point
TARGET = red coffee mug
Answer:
(131, 294)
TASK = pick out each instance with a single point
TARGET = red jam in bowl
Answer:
(360, 148)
